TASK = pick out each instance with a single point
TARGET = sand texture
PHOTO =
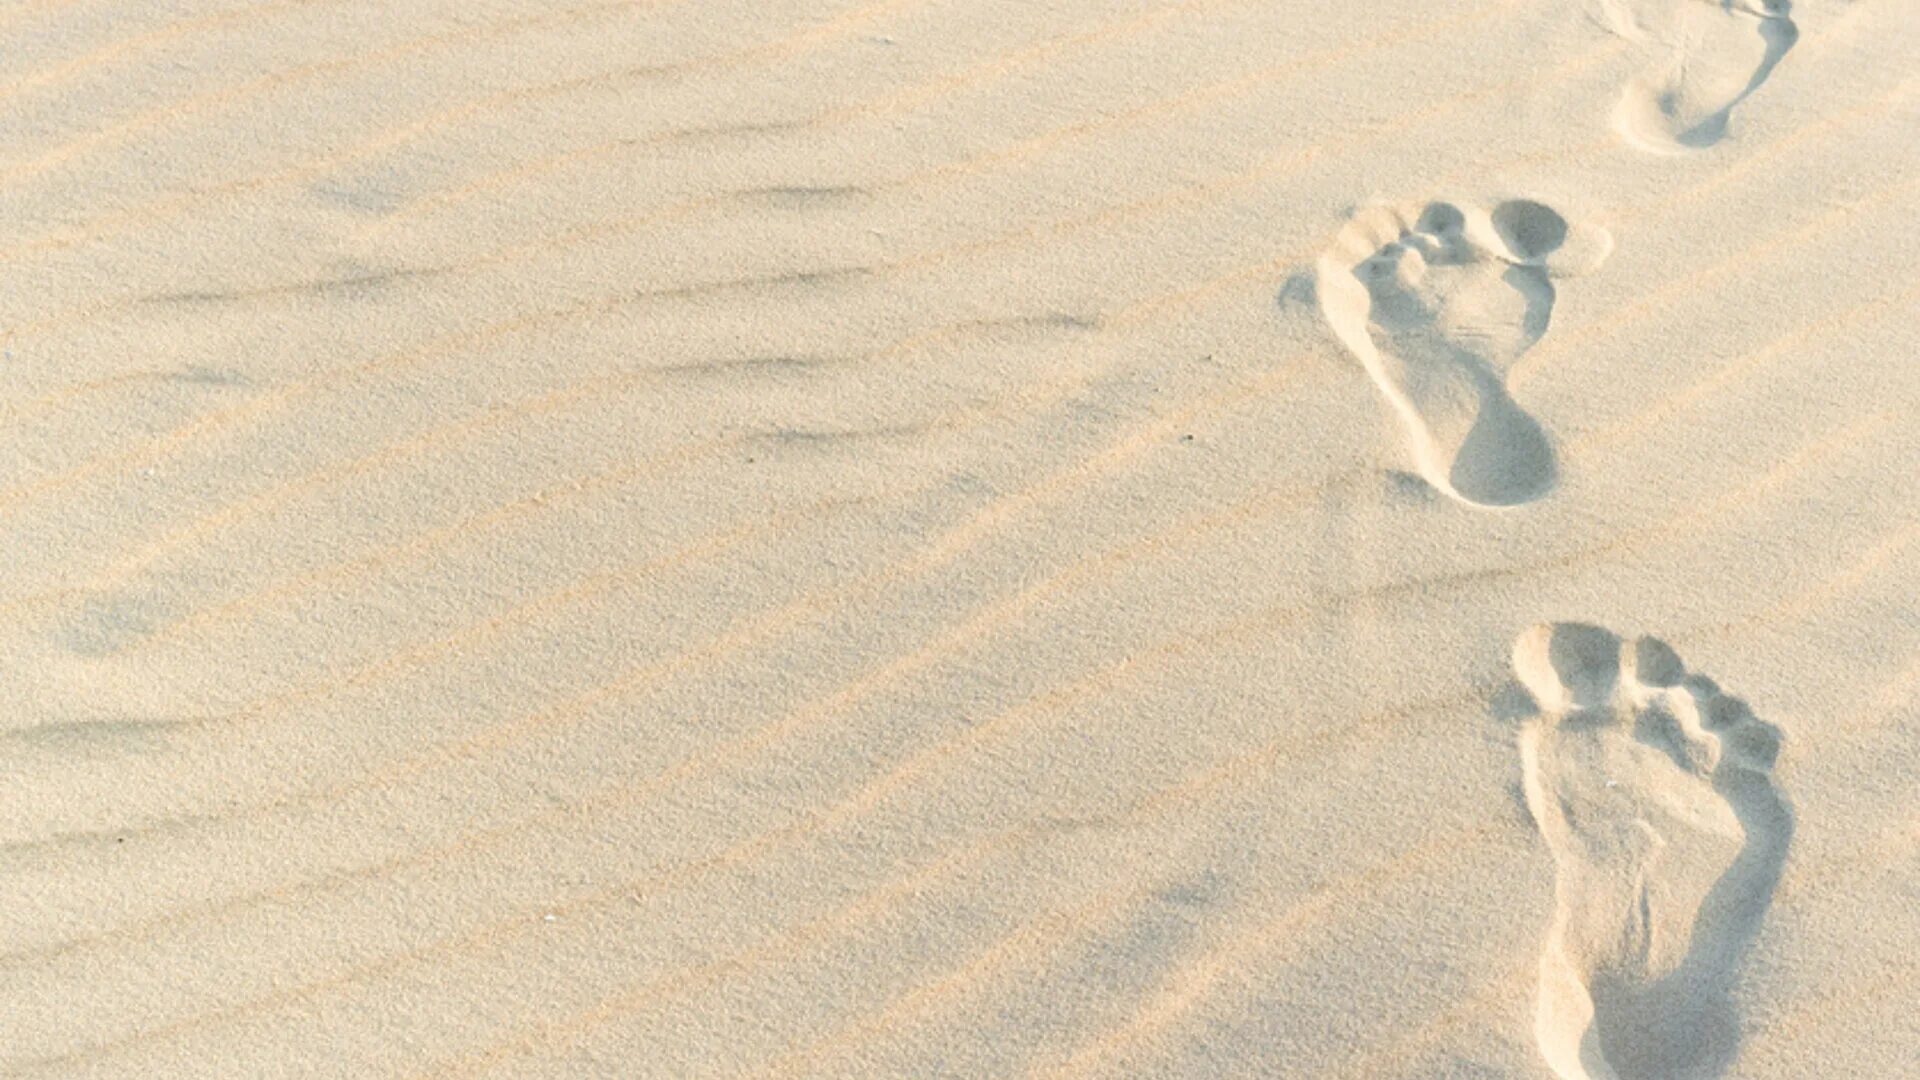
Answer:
(960, 538)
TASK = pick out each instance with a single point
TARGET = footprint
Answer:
(1655, 795)
(1715, 54)
(1437, 302)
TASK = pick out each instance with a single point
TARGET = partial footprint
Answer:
(1711, 55)
(1654, 792)
(1437, 302)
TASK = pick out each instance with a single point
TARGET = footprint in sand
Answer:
(1655, 795)
(1713, 55)
(1437, 302)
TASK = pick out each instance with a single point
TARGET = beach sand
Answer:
(911, 538)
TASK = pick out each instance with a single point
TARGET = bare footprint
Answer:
(1712, 55)
(1654, 792)
(1437, 302)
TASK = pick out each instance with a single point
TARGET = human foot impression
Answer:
(1437, 302)
(1655, 795)
(1713, 54)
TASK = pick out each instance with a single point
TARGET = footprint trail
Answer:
(1437, 303)
(1655, 794)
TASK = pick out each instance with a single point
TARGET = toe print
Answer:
(1437, 302)
(1655, 795)
(1709, 56)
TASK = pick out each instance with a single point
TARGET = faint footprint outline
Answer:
(1652, 111)
(1437, 302)
(1613, 1002)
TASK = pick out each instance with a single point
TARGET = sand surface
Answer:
(964, 538)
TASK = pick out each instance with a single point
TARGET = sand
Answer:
(1268, 538)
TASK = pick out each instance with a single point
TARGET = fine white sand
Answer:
(973, 538)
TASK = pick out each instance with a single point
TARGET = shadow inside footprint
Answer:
(1531, 230)
(1506, 459)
